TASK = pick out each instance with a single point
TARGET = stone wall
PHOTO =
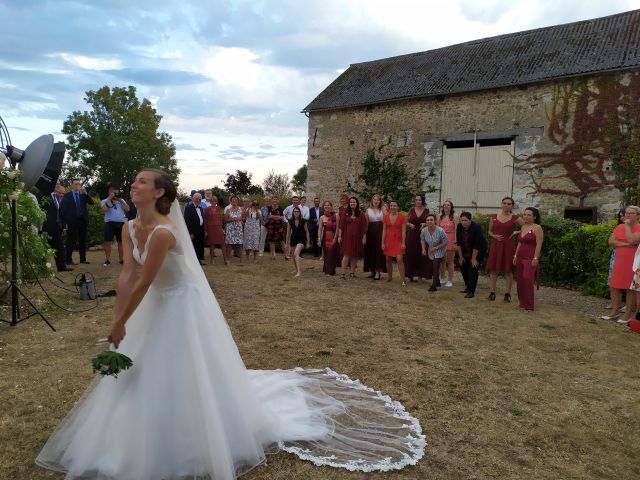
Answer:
(540, 117)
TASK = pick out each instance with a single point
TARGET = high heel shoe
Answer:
(507, 298)
(492, 296)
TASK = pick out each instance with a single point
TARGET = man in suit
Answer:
(75, 218)
(472, 248)
(194, 218)
(53, 225)
(315, 213)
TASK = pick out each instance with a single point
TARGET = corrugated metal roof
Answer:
(574, 49)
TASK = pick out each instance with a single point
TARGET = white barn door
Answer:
(477, 178)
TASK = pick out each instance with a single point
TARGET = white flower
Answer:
(24, 218)
(48, 265)
(13, 196)
(104, 368)
(11, 174)
(21, 185)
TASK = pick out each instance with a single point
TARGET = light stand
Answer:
(40, 164)
(13, 286)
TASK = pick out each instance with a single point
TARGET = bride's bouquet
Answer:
(110, 363)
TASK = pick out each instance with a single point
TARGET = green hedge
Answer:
(574, 255)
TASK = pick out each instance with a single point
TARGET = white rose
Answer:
(48, 265)
(13, 196)
(11, 174)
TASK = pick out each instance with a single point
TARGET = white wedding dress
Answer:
(189, 409)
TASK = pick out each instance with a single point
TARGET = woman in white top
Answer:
(374, 259)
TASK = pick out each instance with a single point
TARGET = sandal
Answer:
(492, 296)
(352, 275)
(507, 298)
(342, 276)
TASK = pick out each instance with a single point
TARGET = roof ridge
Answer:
(495, 37)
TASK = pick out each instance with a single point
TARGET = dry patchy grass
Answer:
(500, 393)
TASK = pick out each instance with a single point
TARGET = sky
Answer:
(230, 78)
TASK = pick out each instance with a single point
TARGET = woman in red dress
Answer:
(374, 260)
(213, 230)
(352, 236)
(527, 256)
(394, 228)
(327, 229)
(416, 264)
(622, 273)
(502, 247)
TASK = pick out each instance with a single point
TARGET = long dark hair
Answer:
(292, 222)
(536, 214)
(450, 213)
(350, 212)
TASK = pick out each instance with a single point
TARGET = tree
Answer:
(239, 182)
(389, 177)
(299, 180)
(276, 184)
(115, 139)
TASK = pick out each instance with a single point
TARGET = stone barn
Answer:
(549, 116)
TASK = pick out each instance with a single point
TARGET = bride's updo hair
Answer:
(162, 180)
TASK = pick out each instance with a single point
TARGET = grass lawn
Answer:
(500, 393)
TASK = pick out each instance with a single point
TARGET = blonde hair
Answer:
(379, 198)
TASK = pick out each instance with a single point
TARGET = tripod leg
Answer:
(34, 307)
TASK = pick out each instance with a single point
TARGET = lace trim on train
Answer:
(415, 440)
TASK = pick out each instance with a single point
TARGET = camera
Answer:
(117, 194)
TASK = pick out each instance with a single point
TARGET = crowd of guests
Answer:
(421, 243)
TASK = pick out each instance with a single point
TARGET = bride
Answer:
(188, 408)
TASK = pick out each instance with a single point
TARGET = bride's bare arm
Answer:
(158, 248)
(127, 274)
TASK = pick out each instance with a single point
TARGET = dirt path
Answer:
(500, 393)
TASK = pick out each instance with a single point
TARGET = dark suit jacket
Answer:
(192, 220)
(476, 239)
(68, 208)
(313, 220)
(53, 220)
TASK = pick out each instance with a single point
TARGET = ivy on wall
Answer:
(595, 125)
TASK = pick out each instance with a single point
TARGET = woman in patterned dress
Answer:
(275, 228)
(234, 229)
(502, 247)
(415, 264)
(434, 242)
(448, 221)
(213, 229)
(253, 220)
(327, 228)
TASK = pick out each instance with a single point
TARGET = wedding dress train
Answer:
(189, 409)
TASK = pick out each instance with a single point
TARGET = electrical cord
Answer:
(47, 293)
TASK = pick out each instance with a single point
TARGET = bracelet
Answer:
(535, 258)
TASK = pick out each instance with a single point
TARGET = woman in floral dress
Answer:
(253, 220)
(234, 237)
(275, 228)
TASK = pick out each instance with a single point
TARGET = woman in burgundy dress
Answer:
(213, 230)
(416, 264)
(374, 260)
(502, 247)
(327, 229)
(527, 256)
(352, 236)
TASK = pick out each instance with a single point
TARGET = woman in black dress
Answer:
(298, 237)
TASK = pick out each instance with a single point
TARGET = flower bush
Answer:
(35, 257)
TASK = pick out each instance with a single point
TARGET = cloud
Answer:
(186, 146)
(91, 63)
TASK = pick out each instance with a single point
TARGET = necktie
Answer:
(77, 199)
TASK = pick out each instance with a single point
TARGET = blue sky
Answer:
(230, 77)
